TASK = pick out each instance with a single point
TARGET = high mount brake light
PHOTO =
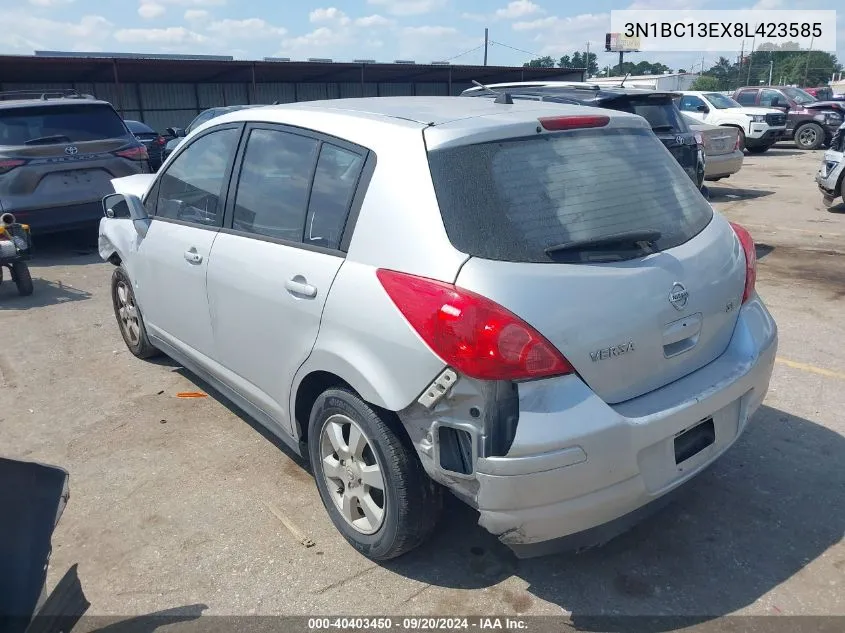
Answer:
(750, 259)
(573, 122)
(471, 333)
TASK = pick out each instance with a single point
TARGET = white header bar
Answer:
(713, 31)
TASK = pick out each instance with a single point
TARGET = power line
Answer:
(472, 50)
(514, 48)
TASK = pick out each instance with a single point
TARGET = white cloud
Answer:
(49, 3)
(328, 15)
(250, 28)
(554, 35)
(769, 4)
(518, 9)
(27, 33)
(375, 20)
(196, 15)
(409, 7)
(150, 10)
(174, 35)
(430, 31)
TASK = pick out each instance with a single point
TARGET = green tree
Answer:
(706, 83)
(540, 62)
(580, 60)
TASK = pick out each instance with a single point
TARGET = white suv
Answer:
(760, 128)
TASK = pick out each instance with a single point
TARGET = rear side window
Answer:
(274, 184)
(511, 200)
(72, 123)
(661, 114)
(747, 97)
(335, 182)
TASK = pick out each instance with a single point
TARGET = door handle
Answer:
(300, 286)
(192, 256)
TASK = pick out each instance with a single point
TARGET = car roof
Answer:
(583, 90)
(420, 111)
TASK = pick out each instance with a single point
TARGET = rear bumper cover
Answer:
(723, 165)
(580, 470)
(60, 218)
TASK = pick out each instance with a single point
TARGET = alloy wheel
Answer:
(128, 313)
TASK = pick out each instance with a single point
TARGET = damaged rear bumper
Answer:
(581, 471)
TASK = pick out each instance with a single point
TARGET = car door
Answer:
(694, 107)
(274, 262)
(187, 205)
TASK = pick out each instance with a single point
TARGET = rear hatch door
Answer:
(631, 316)
(66, 148)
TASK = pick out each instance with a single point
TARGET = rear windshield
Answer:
(511, 200)
(72, 123)
(660, 113)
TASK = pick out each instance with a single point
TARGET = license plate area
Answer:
(694, 440)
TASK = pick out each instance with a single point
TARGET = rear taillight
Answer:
(8, 164)
(134, 153)
(160, 141)
(471, 333)
(572, 122)
(750, 260)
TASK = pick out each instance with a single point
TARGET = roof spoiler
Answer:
(44, 95)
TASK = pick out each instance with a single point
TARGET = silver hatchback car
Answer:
(421, 294)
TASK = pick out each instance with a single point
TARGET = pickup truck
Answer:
(759, 128)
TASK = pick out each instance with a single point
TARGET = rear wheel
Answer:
(370, 479)
(809, 136)
(128, 316)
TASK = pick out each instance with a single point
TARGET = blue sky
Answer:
(384, 30)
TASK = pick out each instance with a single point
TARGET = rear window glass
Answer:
(67, 123)
(511, 200)
(660, 113)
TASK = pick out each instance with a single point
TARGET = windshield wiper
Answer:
(48, 140)
(628, 239)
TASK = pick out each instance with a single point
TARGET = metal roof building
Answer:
(170, 90)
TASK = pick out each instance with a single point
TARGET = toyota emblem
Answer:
(71, 150)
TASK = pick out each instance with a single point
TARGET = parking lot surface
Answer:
(182, 502)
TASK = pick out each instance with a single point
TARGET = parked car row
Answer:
(560, 330)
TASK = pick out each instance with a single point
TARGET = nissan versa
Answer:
(430, 293)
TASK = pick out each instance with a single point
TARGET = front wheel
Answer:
(809, 136)
(370, 479)
(128, 316)
(758, 149)
(741, 134)
(23, 279)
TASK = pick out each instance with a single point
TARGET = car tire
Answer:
(758, 149)
(128, 315)
(353, 449)
(809, 136)
(22, 279)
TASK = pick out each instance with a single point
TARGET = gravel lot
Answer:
(184, 502)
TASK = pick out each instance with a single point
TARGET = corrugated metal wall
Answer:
(163, 105)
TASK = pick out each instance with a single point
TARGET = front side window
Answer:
(721, 102)
(768, 98)
(192, 186)
(274, 183)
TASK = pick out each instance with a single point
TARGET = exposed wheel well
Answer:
(309, 390)
(114, 259)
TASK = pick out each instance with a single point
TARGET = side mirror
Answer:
(703, 108)
(119, 205)
(176, 132)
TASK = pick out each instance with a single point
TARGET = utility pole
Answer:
(771, 68)
(702, 65)
(739, 70)
(807, 65)
(486, 40)
(587, 62)
(621, 60)
(750, 63)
